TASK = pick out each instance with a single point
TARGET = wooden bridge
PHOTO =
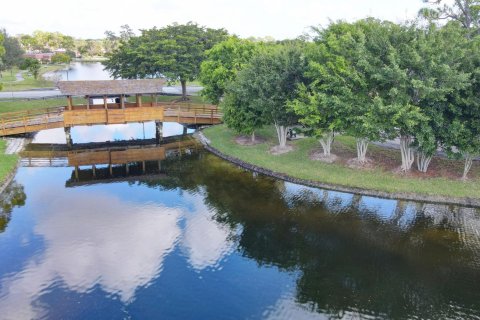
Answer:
(106, 103)
(40, 119)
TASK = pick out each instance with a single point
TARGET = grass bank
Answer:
(9, 82)
(8, 162)
(21, 105)
(298, 164)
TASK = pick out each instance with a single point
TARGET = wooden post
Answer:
(105, 102)
(143, 166)
(94, 171)
(88, 102)
(122, 101)
(69, 102)
(154, 100)
(138, 99)
(76, 172)
(126, 169)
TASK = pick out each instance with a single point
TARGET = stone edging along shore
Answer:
(471, 202)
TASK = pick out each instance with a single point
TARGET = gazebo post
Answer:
(139, 99)
(88, 101)
(69, 102)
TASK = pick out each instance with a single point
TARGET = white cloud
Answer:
(95, 238)
(278, 18)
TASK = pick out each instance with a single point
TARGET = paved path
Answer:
(44, 93)
(19, 77)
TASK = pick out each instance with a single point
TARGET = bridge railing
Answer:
(9, 120)
(180, 112)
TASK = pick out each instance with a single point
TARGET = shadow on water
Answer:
(353, 255)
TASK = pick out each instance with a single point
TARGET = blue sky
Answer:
(280, 19)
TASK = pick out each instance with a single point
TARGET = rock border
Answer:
(468, 202)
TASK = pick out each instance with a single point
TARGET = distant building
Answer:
(44, 57)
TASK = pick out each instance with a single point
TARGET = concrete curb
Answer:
(469, 202)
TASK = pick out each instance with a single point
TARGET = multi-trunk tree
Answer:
(264, 88)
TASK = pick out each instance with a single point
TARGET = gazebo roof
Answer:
(109, 87)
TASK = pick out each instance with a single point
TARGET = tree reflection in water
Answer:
(354, 255)
(12, 196)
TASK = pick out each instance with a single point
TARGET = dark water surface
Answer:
(193, 237)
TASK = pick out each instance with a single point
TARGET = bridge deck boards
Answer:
(41, 119)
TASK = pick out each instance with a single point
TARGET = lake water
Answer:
(81, 71)
(194, 237)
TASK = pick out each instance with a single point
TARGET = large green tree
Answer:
(13, 51)
(222, 64)
(270, 82)
(32, 65)
(174, 52)
(339, 97)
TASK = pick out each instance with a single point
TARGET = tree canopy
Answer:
(174, 52)
(222, 64)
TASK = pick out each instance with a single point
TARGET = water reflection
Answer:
(13, 196)
(112, 132)
(202, 233)
(354, 254)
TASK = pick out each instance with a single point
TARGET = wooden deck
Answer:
(40, 119)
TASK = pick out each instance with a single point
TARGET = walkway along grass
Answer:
(376, 182)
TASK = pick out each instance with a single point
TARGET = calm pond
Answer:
(186, 235)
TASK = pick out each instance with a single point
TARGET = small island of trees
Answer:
(416, 83)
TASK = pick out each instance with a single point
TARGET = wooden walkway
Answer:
(40, 119)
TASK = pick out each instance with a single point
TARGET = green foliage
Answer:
(222, 64)
(47, 41)
(61, 58)
(32, 65)
(174, 52)
(13, 51)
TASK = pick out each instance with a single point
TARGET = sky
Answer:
(280, 19)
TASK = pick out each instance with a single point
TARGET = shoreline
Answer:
(469, 202)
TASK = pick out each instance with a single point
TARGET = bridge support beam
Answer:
(68, 136)
(158, 131)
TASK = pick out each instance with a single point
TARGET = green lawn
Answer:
(9, 82)
(7, 161)
(297, 164)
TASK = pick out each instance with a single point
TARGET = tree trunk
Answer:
(468, 165)
(326, 141)
(407, 152)
(282, 135)
(362, 145)
(253, 137)
(423, 161)
(184, 90)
